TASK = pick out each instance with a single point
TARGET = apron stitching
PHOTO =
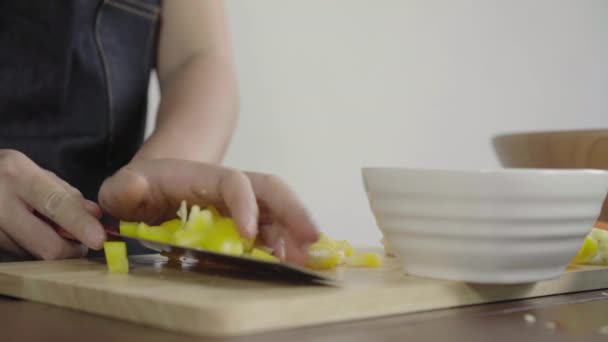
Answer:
(132, 10)
(147, 54)
(107, 73)
(142, 5)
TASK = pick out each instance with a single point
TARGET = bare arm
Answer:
(199, 96)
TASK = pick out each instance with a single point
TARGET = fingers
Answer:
(128, 195)
(237, 193)
(26, 191)
(285, 207)
(271, 236)
(149, 190)
(283, 245)
(152, 190)
(64, 207)
(7, 245)
(63, 183)
(35, 236)
(90, 206)
(294, 251)
(93, 209)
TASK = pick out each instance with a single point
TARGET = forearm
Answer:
(197, 113)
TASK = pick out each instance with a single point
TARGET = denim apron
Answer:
(73, 83)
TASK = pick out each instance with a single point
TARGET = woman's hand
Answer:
(33, 202)
(152, 190)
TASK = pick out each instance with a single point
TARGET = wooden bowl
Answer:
(580, 149)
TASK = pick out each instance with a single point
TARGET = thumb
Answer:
(127, 195)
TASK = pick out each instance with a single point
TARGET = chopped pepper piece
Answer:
(344, 247)
(216, 214)
(599, 234)
(223, 238)
(322, 259)
(200, 220)
(116, 256)
(182, 212)
(208, 229)
(189, 238)
(128, 228)
(364, 260)
(172, 225)
(247, 244)
(154, 233)
(260, 254)
(587, 251)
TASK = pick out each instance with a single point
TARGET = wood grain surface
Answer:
(211, 305)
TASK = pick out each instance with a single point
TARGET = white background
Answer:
(329, 86)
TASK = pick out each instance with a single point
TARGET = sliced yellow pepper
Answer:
(322, 259)
(154, 233)
(116, 256)
(364, 260)
(128, 228)
(344, 247)
(223, 238)
(199, 220)
(172, 225)
(260, 254)
(188, 238)
(599, 234)
(208, 229)
(247, 244)
(587, 251)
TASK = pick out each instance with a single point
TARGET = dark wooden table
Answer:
(573, 317)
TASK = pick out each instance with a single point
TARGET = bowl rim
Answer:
(530, 133)
(491, 171)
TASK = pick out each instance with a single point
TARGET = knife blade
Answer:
(199, 260)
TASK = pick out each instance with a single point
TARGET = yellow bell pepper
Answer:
(172, 225)
(587, 251)
(260, 254)
(199, 220)
(208, 229)
(116, 256)
(322, 259)
(188, 238)
(154, 233)
(128, 228)
(364, 260)
(344, 247)
(247, 244)
(223, 237)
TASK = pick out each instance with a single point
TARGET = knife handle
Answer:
(67, 235)
(62, 232)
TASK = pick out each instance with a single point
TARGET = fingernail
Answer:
(251, 227)
(93, 208)
(95, 237)
(280, 249)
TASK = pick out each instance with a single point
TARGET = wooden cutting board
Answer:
(211, 305)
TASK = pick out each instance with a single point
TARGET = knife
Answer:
(199, 260)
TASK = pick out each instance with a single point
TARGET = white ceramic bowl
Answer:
(485, 226)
